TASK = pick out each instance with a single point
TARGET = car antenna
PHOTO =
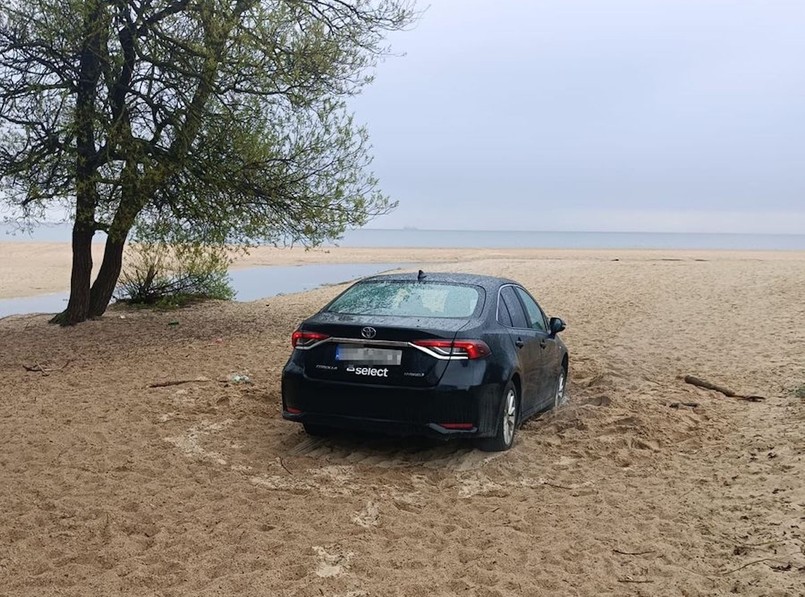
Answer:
(420, 276)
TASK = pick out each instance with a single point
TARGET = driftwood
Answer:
(760, 561)
(709, 386)
(701, 383)
(751, 398)
(631, 553)
(37, 368)
(639, 581)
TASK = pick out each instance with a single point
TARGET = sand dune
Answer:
(108, 486)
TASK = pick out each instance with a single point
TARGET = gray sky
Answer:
(655, 115)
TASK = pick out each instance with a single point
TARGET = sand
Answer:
(111, 487)
(28, 269)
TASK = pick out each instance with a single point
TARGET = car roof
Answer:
(486, 282)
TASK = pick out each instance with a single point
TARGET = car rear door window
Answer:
(504, 318)
(409, 299)
(515, 309)
(536, 319)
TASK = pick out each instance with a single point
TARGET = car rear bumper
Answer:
(442, 411)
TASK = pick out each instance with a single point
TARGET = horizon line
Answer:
(492, 230)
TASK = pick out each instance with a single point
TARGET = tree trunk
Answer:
(78, 305)
(104, 285)
(86, 167)
(131, 203)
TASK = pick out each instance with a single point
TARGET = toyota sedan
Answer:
(438, 354)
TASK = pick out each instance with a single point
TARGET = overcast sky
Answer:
(647, 115)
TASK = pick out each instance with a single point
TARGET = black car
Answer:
(439, 354)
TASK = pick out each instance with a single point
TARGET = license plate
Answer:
(368, 356)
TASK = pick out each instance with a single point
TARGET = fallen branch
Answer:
(701, 383)
(282, 464)
(760, 561)
(37, 368)
(709, 386)
(631, 553)
(681, 404)
(635, 580)
(178, 382)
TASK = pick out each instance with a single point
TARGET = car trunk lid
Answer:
(378, 349)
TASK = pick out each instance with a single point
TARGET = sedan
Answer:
(438, 354)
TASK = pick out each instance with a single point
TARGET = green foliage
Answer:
(173, 276)
(800, 391)
(207, 121)
(225, 118)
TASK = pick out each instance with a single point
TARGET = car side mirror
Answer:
(556, 325)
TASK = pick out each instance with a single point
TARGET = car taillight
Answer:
(302, 339)
(467, 349)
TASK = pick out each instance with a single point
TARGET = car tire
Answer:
(508, 420)
(560, 393)
(317, 430)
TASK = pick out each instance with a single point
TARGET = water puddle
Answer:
(250, 284)
(42, 303)
(255, 283)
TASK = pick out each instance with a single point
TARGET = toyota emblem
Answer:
(368, 333)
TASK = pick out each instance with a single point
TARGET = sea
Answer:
(500, 239)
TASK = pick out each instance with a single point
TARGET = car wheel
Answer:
(508, 419)
(317, 430)
(560, 396)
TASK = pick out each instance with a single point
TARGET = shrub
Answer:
(174, 275)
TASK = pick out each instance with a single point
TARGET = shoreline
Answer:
(30, 269)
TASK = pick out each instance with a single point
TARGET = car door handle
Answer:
(519, 343)
(542, 344)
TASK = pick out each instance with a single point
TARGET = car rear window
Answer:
(408, 299)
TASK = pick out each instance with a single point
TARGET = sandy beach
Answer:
(28, 269)
(641, 485)
(31, 268)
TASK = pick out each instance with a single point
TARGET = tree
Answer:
(210, 121)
